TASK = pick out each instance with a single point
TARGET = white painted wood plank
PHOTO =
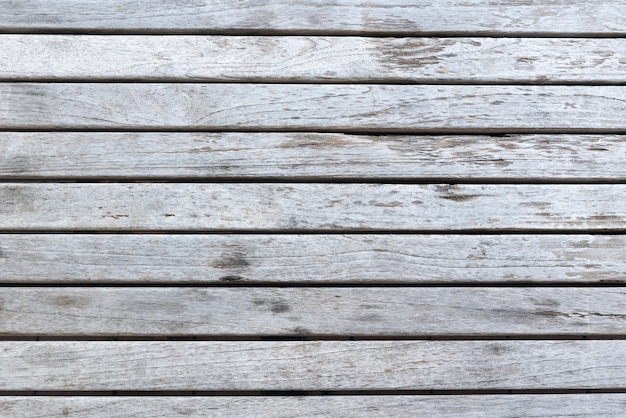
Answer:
(446, 406)
(155, 258)
(309, 156)
(324, 207)
(345, 16)
(436, 311)
(312, 59)
(391, 108)
(311, 365)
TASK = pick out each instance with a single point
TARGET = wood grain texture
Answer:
(312, 207)
(311, 365)
(460, 406)
(343, 16)
(389, 108)
(312, 59)
(155, 258)
(309, 156)
(433, 311)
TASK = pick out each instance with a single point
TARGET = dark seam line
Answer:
(499, 132)
(311, 337)
(313, 393)
(605, 231)
(232, 282)
(310, 180)
(8, 30)
(347, 82)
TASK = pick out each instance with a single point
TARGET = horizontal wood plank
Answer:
(350, 108)
(445, 406)
(309, 156)
(433, 311)
(312, 365)
(312, 207)
(312, 59)
(155, 258)
(343, 16)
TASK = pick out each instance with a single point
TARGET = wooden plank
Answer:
(309, 156)
(311, 365)
(154, 258)
(390, 108)
(343, 16)
(436, 311)
(312, 207)
(311, 59)
(446, 406)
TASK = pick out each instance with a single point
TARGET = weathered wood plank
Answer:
(324, 207)
(446, 406)
(433, 311)
(154, 258)
(311, 59)
(390, 108)
(312, 365)
(344, 16)
(309, 156)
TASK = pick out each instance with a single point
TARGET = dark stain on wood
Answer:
(16, 199)
(460, 197)
(231, 279)
(275, 306)
(497, 349)
(234, 260)
(449, 192)
(411, 54)
(551, 314)
(302, 331)
(70, 302)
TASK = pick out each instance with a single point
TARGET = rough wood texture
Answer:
(314, 207)
(464, 406)
(344, 16)
(312, 311)
(309, 156)
(390, 108)
(311, 59)
(312, 365)
(154, 258)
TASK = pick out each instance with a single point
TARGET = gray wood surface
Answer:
(344, 16)
(324, 207)
(446, 406)
(389, 108)
(433, 311)
(156, 258)
(309, 156)
(311, 365)
(312, 59)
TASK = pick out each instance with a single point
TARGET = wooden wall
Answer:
(312, 208)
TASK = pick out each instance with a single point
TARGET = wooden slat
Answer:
(311, 365)
(344, 16)
(445, 406)
(397, 108)
(311, 59)
(309, 156)
(153, 258)
(323, 207)
(438, 311)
